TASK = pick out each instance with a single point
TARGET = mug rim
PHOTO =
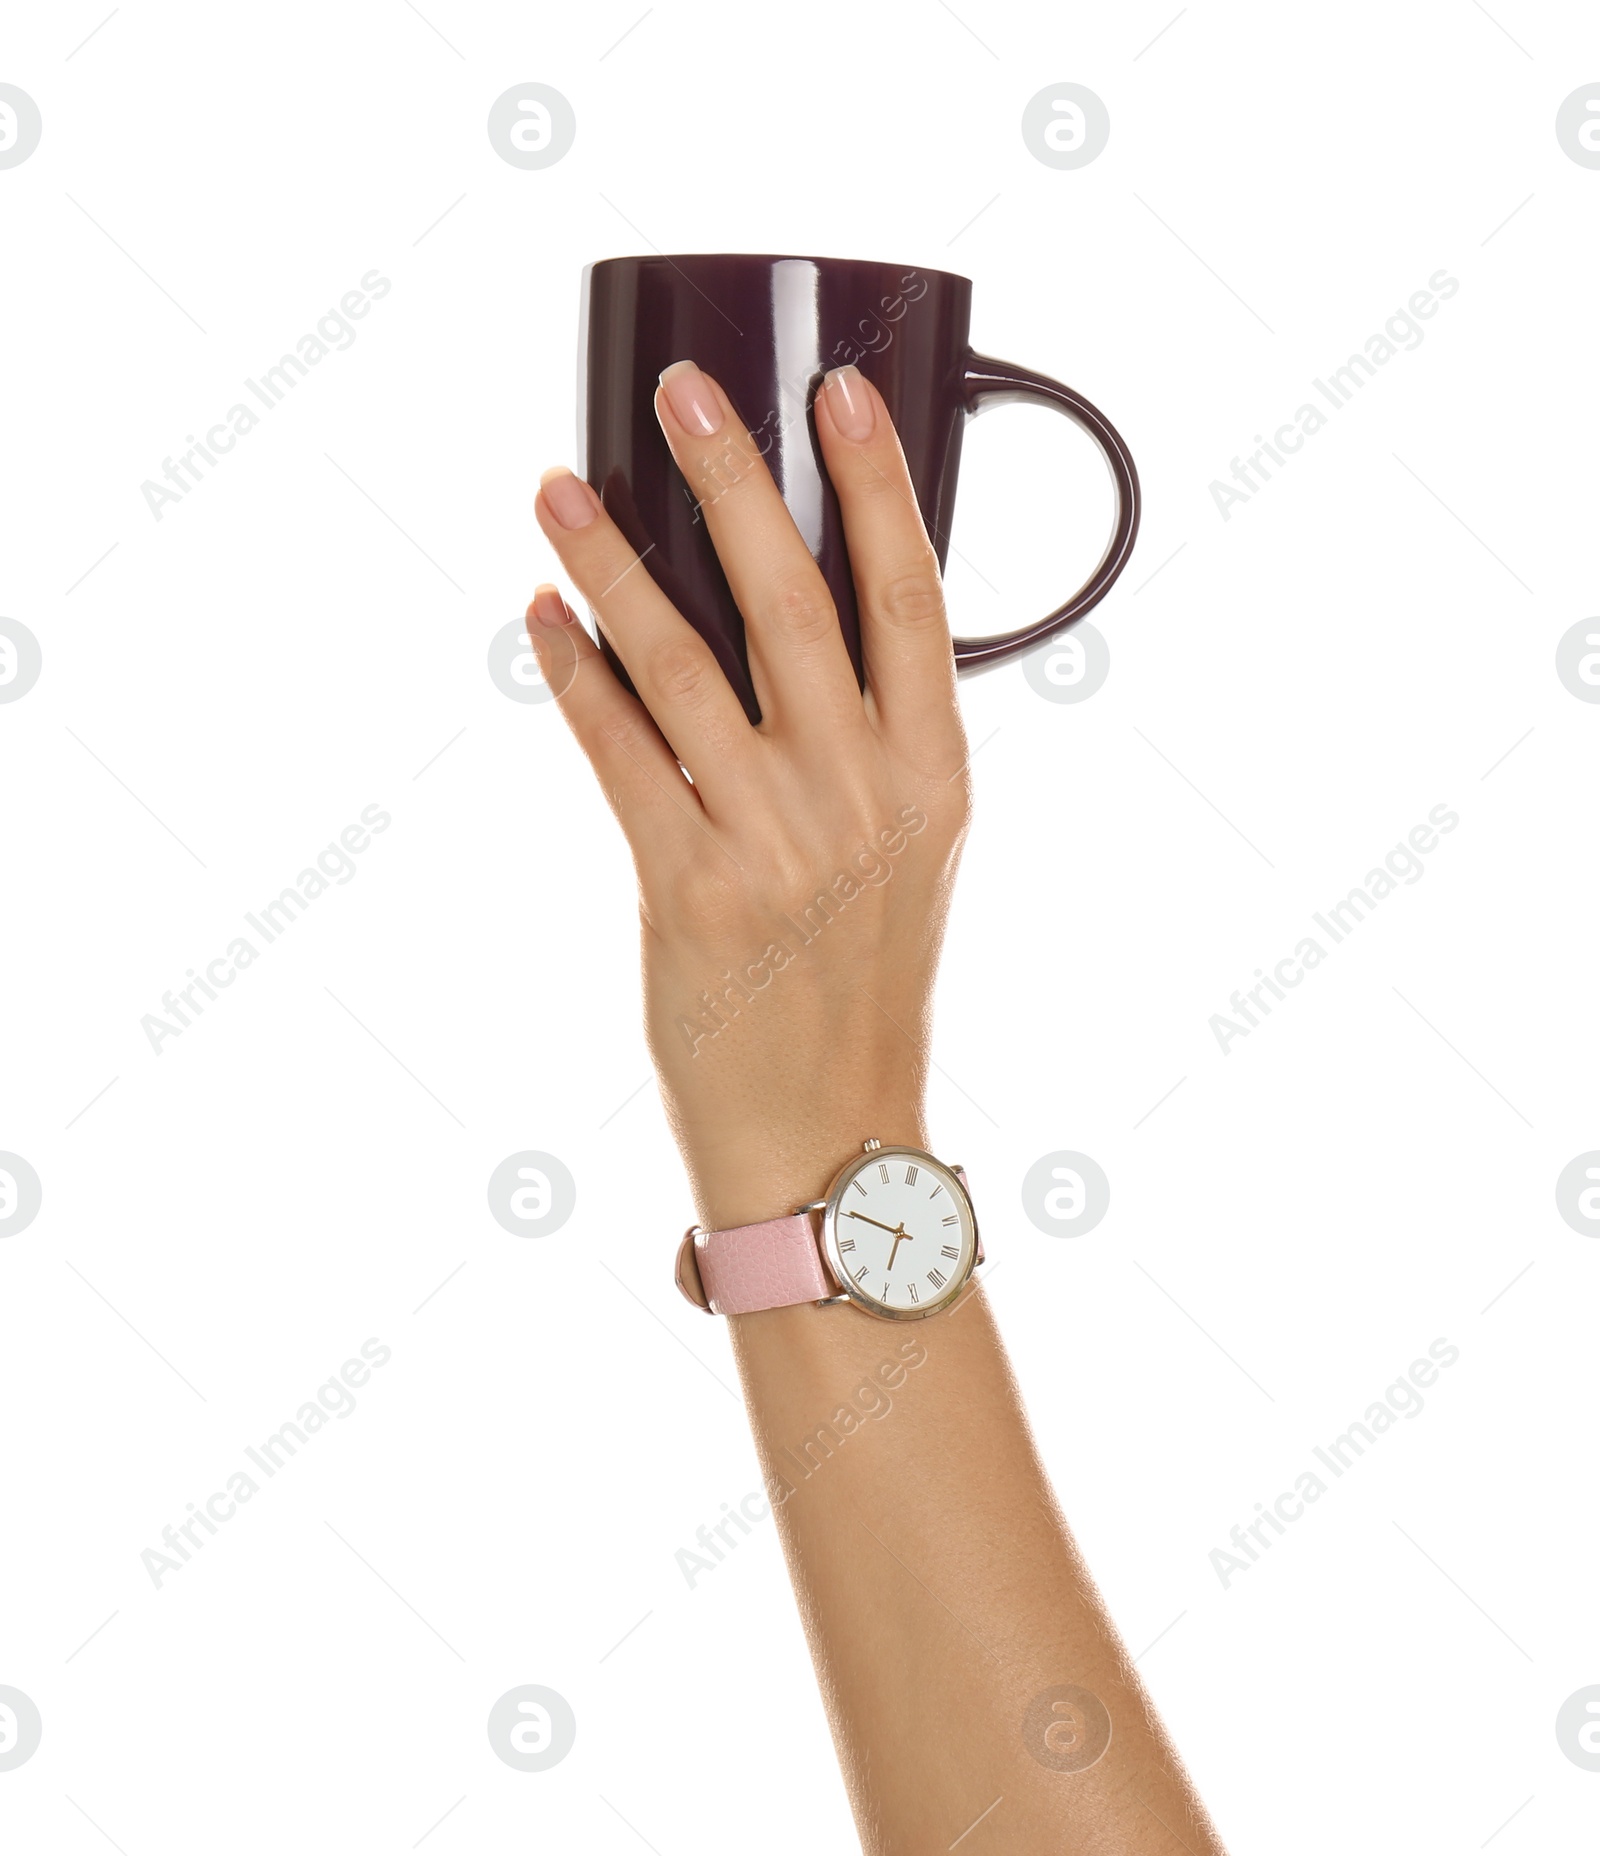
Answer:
(772, 257)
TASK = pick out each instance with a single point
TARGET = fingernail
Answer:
(548, 607)
(850, 403)
(694, 405)
(571, 501)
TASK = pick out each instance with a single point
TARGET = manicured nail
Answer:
(694, 405)
(571, 501)
(850, 403)
(548, 607)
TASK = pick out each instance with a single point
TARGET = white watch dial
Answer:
(901, 1233)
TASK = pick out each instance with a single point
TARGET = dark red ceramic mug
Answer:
(768, 328)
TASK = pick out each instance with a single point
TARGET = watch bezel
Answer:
(829, 1207)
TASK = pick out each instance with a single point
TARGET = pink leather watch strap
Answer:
(754, 1266)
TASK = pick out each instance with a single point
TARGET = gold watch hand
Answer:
(890, 1228)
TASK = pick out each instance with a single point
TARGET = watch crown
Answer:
(870, 1147)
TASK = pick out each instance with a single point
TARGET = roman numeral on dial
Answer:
(911, 1175)
(937, 1278)
(911, 1288)
(949, 1250)
(849, 1243)
(952, 1219)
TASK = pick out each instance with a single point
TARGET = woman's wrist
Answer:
(744, 1174)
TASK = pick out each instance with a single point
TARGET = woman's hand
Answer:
(793, 900)
(793, 897)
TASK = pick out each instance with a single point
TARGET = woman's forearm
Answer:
(976, 1688)
(953, 1625)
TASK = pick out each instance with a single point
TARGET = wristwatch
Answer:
(896, 1235)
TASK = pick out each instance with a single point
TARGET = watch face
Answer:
(900, 1233)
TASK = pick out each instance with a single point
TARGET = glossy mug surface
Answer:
(768, 328)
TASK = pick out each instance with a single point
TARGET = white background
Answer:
(306, 634)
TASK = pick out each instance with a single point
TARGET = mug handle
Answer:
(995, 383)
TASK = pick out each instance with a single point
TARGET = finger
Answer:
(637, 771)
(671, 666)
(905, 635)
(798, 661)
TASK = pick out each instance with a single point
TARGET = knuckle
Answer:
(913, 599)
(789, 871)
(707, 897)
(679, 671)
(804, 610)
